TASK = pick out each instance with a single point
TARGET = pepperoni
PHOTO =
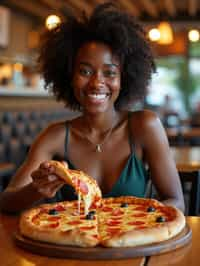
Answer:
(87, 227)
(95, 236)
(59, 208)
(140, 208)
(113, 231)
(117, 212)
(139, 215)
(83, 187)
(136, 223)
(74, 222)
(113, 223)
(54, 218)
(53, 225)
(107, 209)
(141, 227)
(44, 210)
(35, 218)
(80, 185)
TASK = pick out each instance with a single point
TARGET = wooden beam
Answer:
(170, 7)
(129, 6)
(80, 5)
(150, 7)
(192, 7)
(31, 7)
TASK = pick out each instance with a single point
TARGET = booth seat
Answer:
(19, 129)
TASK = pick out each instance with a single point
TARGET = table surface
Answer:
(12, 255)
(186, 256)
(184, 132)
(187, 158)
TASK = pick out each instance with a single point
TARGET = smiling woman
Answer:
(98, 65)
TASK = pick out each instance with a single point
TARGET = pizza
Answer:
(85, 186)
(117, 222)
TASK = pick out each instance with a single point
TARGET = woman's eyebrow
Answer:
(108, 64)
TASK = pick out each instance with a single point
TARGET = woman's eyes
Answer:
(89, 72)
(109, 73)
(85, 72)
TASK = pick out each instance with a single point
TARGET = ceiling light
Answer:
(193, 35)
(166, 33)
(154, 35)
(52, 21)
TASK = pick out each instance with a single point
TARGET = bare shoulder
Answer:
(51, 139)
(144, 119)
(144, 123)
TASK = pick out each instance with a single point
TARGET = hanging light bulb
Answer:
(154, 35)
(166, 33)
(193, 35)
(52, 21)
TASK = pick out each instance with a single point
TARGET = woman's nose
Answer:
(97, 79)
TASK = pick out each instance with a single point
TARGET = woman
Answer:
(98, 65)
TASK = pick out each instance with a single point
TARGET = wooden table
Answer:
(187, 158)
(12, 255)
(186, 256)
(184, 132)
(188, 164)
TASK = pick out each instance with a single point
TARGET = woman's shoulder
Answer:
(144, 117)
(143, 122)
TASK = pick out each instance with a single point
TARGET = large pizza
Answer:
(114, 222)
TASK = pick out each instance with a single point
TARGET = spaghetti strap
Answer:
(132, 147)
(66, 140)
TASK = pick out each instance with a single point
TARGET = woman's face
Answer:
(96, 78)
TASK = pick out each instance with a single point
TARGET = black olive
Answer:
(160, 219)
(151, 209)
(124, 205)
(90, 215)
(53, 212)
(92, 212)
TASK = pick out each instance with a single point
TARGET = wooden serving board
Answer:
(101, 253)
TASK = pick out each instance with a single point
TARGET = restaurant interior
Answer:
(173, 30)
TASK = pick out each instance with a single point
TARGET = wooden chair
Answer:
(193, 180)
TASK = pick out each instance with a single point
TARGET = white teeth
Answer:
(97, 96)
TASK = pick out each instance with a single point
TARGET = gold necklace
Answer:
(98, 146)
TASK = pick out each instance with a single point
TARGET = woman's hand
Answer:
(45, 181)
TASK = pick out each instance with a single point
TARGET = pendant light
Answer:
(166, 33)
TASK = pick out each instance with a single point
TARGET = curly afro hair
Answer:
(107, 25)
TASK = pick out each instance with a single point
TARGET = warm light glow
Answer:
(166, 33)
(18, 67)
(52, 21)
(154, 35)
(193, 35)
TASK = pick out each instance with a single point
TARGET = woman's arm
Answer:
(153, 140)
(22, 192)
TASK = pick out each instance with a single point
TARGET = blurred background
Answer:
(173, 29)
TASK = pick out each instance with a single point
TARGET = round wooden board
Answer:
(100, 253)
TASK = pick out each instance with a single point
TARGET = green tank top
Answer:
(131, 182)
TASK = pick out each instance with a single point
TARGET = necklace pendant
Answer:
(98, 148)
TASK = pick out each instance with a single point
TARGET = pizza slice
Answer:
(129, 221)
(85, 186)
(59, 223)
